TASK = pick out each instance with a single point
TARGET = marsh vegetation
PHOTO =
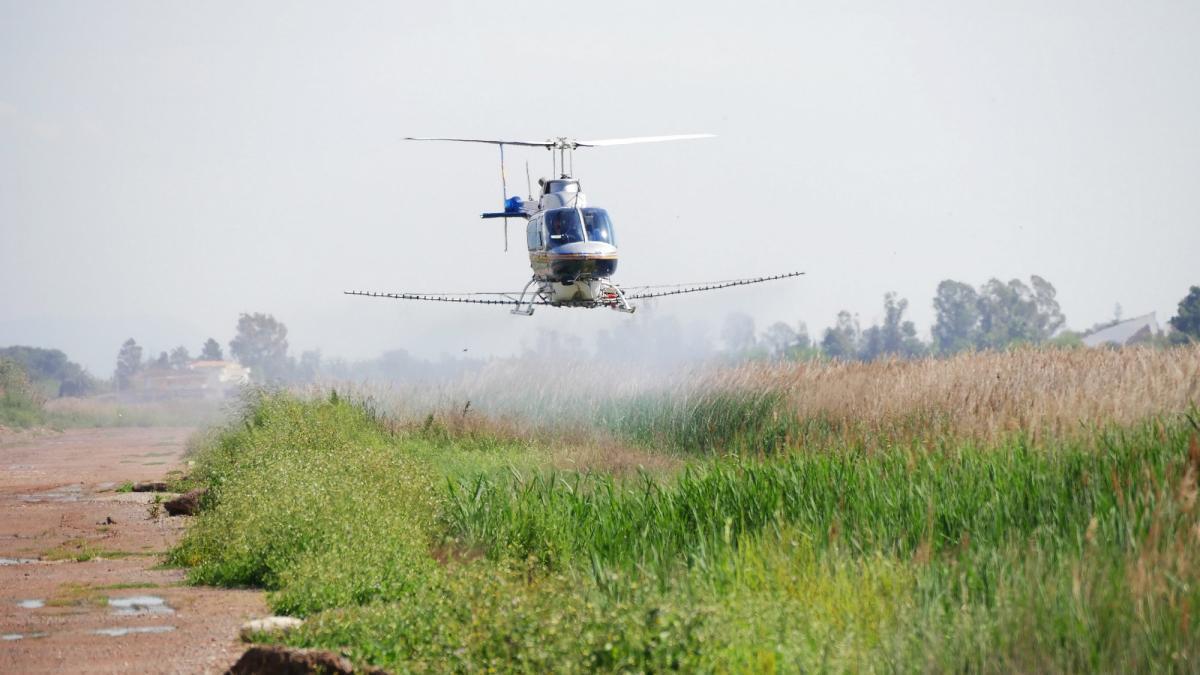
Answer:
(1028, 510)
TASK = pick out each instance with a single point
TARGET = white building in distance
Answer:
(1127, 332)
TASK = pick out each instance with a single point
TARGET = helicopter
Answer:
(572, 246)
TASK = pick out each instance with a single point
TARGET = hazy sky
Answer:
(167, 165)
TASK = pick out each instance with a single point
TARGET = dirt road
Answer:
(81, 588)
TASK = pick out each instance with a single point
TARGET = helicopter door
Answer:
(533, 235)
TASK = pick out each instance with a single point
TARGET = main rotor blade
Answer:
(533, 144)
(567, 143)
(641, 139)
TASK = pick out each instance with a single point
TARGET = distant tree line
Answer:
(1186, 321)
(260, 344)
(51, 371)
(995, 315)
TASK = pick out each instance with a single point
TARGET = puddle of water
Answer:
(121, 632)
(35, 603)
(135, 605)
(4, 562)
(66, 493)
(9, 637)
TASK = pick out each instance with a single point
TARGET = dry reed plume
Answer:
(985, 395)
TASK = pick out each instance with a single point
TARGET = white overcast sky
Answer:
(165, 166)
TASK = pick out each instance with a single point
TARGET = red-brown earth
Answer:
(119, 610)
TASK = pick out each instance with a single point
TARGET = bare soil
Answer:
(82, 587)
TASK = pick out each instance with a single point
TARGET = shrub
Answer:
(20, 402)
(314, 501)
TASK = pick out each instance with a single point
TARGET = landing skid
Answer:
(525, 307)
(616, 298)
(610, 296)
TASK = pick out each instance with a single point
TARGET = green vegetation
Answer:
(123, 586)
(706, 422)
(82, 550)
(316, 501)
(72, 413)
(20, 402)
(890, 503)
(51, 372)
(24, 403)
(1186, 321)
(79, 550)
(261, 344)
(922, 537)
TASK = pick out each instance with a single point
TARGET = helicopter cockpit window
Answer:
(599, 227)
(563, 226)
(533, 234)
(560, 186)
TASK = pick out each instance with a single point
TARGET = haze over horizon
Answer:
(167, 166)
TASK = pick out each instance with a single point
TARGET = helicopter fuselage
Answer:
(572, 247)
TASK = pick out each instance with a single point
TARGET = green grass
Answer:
(126, 586)
(441, 548)
(23, 405)
(82, 550)
(888, 501)
(704, 422)
(78, 550)
(105, 412)
(20, 401)
(315, 502)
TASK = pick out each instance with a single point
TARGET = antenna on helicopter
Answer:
(504, 188)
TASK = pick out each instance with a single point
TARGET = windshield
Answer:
(599, 227)
(564, 227)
